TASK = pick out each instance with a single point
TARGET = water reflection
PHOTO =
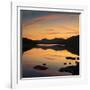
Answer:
(38, 62)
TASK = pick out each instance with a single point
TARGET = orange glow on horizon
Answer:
(51, 26)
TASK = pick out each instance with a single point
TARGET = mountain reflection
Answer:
(71, 44)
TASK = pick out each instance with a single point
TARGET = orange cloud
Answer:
(36, 29)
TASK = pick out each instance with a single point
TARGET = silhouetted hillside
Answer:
(52, 41)
(27, 44)
(72, 44)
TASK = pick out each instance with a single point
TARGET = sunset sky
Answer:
(37, 25)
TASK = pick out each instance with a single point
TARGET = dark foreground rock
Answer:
(72, 58)
(72, 69)
(41, 67)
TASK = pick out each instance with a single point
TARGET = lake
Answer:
(39, 62)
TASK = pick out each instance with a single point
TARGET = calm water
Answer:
(51, 59)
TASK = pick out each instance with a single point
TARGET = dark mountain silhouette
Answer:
(71, 44)
(27, 44)
(53, 41)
